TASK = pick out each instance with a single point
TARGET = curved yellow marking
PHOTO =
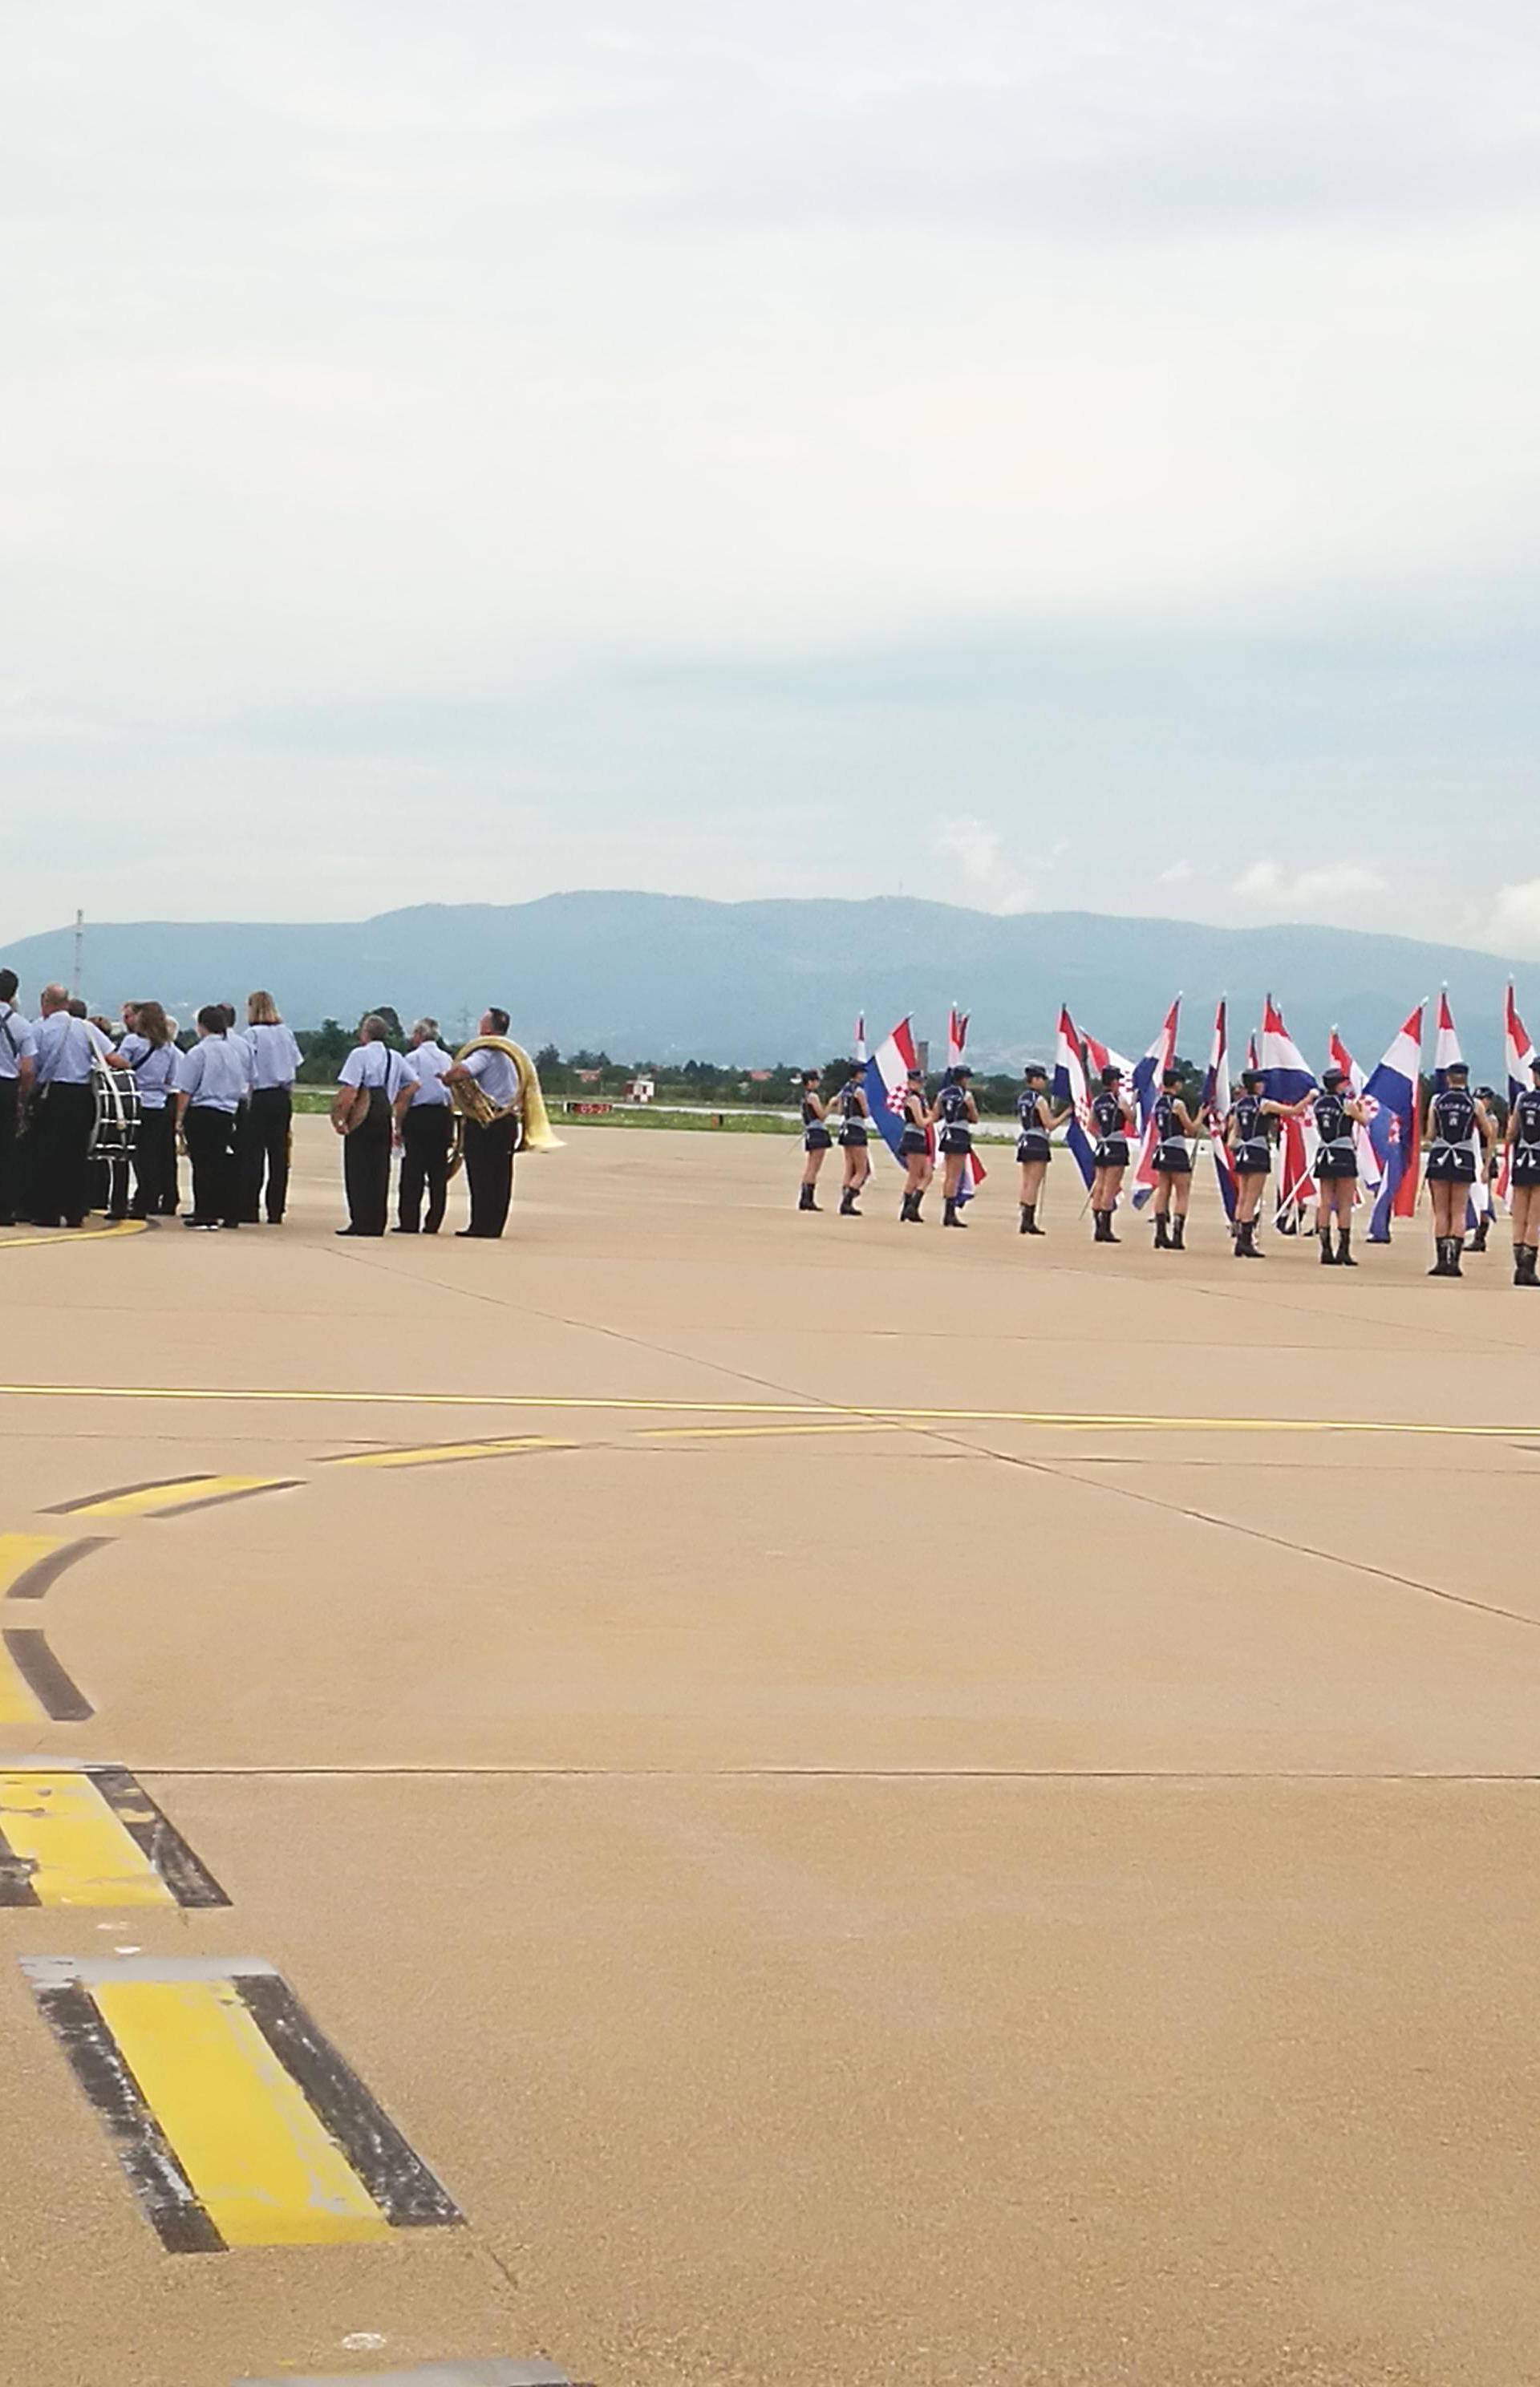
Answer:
(74, 1234)
(20, 1551)
(158, 1499)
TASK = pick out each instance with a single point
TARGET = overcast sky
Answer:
(1060, 453)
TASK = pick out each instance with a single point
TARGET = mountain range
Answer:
(666, 978)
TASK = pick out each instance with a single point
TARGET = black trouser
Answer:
(426, 1132)
(366, 1169)
(11, 1158)
(211, 1149)
(62, 1121)
(155, 1162)
(490, 1173)
(263, 1148)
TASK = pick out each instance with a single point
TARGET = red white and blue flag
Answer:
(1158, 1057)
(1390, 1098)
(1069, 1092)
(1518, 1054)
(1289, 1078)
(1215, 1107)
(956, 1045)
(1370, 1172)
(1447, 1056)
(886, 1082)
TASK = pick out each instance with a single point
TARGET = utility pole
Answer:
(80, 954)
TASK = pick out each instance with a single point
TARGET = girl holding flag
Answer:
(956, 1114)
(1335, 1112)
(854, 1123)
(913, 1147)
(1249, 1141)
(1523, 1155)
(1173, 1163)
(1032, 1148)
(1455, 1118)
(1112, 1117)
(816, 1138)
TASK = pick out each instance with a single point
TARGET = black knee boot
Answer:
(1483, 1228)
(914, 1202)
(1243, 1240)
(1179, 1233)
(1344, 1253)
(846, 1204)
(807, 1202)
(1456, 1245)
(949, 1213)
(1162, 1231)
(1327, 1257)
(1524, 1258)
(1104, 1226)
(1441, 1262)
(1029, 1218)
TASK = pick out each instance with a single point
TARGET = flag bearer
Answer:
(915, 1148)
(1336, 1112)
(955, 1113)
(1173, 1164)
(854, 1132)
(1524, 1136)
(816, 1138)
(1032, 1147)
(1112, 1116)
(1247, 1134)
(1455, 1118)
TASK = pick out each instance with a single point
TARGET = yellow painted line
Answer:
(20, 1551)
(1066, 1420)
(432, 1454)
(80, 1854)
(73, 1235)
(757, 1433)
(258, 2158)
(158, 1499)
(17, 1703)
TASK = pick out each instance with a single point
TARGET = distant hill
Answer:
(668, 976)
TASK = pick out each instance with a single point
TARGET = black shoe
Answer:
(1345, 1256)
(1162, 1231)
(403, 1230)
(949, 1214)
(1179, 1234)
(1327, 1257)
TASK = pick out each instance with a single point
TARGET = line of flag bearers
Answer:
(1330, 1143)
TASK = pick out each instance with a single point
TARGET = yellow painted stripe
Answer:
(257, 2155)
(17, 1703)
(74, 1236)
(19, 1551)
(81, 1854)
(155, 1499)
(1066, 1420)
(431, 1454)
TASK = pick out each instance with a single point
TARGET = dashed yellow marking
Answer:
(158, 1499)
(20, 1551)
(257, 2154)
(73, 1235)
(79, 1854)
(433, 1454)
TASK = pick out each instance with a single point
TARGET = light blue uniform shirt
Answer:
(216, 1075)
(66, 1049)
(275, 1053)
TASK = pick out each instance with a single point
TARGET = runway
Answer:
(707, 1796)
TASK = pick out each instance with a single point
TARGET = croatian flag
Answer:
(860, 1038)
(1101, 1057)
(886, 1082)
(1069, 1092)
(1370, 1171)
(1518, 1053)
(1216, 1109)
(1289, 1078)
(956, 1041)
(1447, 1056)
(1148, 1071)
(1390, 1098)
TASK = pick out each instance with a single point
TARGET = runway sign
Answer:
(90, 1836)
(237, 2122)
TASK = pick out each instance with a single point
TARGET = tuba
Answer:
(528, 1107)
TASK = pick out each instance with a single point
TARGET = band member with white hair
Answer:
(1112, 1116)
(212, 1081)
(263, 1144)
(424, 1115)
(489, 1145)
(816, 1138)
(363, 1112)
(1457, 1120)
(18, 1061)
(64, 1110)
(1523, 1140)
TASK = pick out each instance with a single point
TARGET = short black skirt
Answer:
(853, 1136)
(911, 1140)
(1112, 1152)
(1336, 1168)
(816, 1138)
(1526, 1168)
(953, 1139)
(1172, 1160)
(1033, 1147)
(1252, 1159)
(1451, 1164)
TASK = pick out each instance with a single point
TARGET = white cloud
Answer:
(1512, 925)
(1298, 894)
(978, 853)
(1177, 874)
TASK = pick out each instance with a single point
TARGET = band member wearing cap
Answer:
(363, 1112)
(64, 1109)
(1032, 1147)
(212, 1081)
(1112, 1116)
(854, 1140)
(262, 1149)
(424, 1115)
(150, 1052)
(1523, 1138)
(915, 1148)
(1173, 1164)
(816, 1138)
(1455, 1118)
(1248, 1136)
(490, 1149)
(955, 1114)
(1336, 1112)
(18, 1061)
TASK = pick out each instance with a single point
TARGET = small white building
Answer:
(641, 1090)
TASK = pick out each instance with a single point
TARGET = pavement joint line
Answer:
(808, 1773)
(1068, 1421)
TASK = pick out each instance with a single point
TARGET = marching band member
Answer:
(915, 1148)
(1454, 1116)
(854, 1140)
(212, 1081)
(64, 1109)
(363, 1112)
(1249, 1139)
(956, 1114)
(1112, 1116)
(17, 1063)
(1032, 1147)
(489, 1146)
(424, 1114)
(1173, 1164)
(1335, 1114)
(1523, 1137)
(150, 1052)
(816, 1138)
(263, 1148)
